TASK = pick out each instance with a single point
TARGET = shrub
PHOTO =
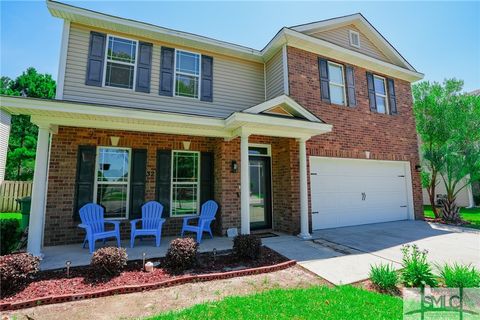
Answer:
(109, 260)
(181, 255)
(247, 246)
(416, 272)
(10, 235)
(384, 277)
(16, 270)
(460, 276)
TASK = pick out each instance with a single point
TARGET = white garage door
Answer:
(348, 192)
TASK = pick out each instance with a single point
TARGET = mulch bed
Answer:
(461, 223)
(368, 285)
(83, 280)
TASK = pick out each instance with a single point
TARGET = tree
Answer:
(462, 153)
(23, 134)
(432, 102)
(448, 124)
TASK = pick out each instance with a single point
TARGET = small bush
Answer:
(181, 255)
(384, 277)
(109, 260)
(16, 270)
(10, 235)
(460, 276)
(247, 246)
(417, 272)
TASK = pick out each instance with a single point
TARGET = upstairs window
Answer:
(381, 94)
(354, 38)
(187, 74)
(121, 62)
(336, 83)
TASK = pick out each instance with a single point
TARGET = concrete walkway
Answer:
(344, 255)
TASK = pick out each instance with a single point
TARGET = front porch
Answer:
(72, 133)
(55, 257)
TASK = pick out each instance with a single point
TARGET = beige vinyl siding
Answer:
(274, 75)
(5, 119)
(237, 84)
(340, 36)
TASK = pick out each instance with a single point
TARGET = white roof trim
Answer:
(52, 113)
(363, 25)
(283, 99)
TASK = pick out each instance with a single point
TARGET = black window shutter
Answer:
(206, 177)
(85, 179)
(138, 174)
(164, 164)
(207, 79)
(350, 79)
(371, 92)
(324, 82)
(96, 57)
(144, 67)
(167, 57)
(391, 96)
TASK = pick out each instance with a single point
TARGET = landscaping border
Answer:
(145, 287)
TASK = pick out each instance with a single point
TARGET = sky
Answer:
(440, 39)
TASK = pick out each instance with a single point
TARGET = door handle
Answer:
(364, 196)
(315, 212)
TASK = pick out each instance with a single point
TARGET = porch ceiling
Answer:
(54, 113)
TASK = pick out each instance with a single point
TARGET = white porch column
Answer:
(5, 120)
(304, 232)
(244, 185)
(39, 189)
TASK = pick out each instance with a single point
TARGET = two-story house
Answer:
(313, 131)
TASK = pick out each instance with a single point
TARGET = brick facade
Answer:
(60, 227)
(357, 129)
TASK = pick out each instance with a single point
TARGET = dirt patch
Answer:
(368, 285)
(86, 280)
(149, 303)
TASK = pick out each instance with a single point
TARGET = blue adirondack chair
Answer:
(152, 222)
(207, 215)
(92, 216)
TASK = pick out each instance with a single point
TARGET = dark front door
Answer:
(260, 193)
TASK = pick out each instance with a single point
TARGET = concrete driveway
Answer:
(344, 255)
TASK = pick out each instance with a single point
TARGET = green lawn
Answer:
(344, 302)
(10, 215)
(471, 215)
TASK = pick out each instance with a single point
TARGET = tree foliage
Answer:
(23, 134)
(448, 123)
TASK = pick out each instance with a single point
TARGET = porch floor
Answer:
(56, 256)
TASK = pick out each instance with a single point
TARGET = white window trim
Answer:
(350, 37)
(330, 83)
(187, 74)
(387, 107)
(261, 145)
(184, 183)
(95, 187)
(120, 62)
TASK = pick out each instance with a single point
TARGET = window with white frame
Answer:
(121, 62)
(185, 183)
(336, 83)
(381, 94)
(187, 74)
(112, 181)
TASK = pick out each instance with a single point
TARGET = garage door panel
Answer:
(347, 192)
